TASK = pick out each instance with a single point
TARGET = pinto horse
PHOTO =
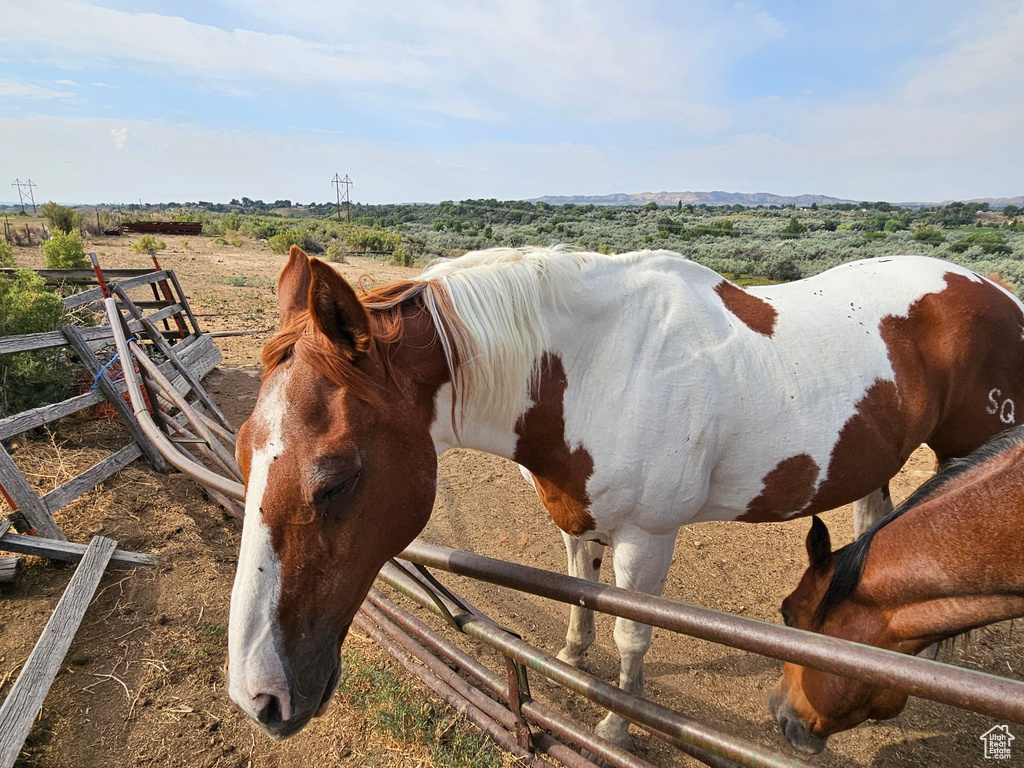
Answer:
(640, 392)
(950, 559)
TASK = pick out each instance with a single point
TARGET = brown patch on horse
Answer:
(559, 472)
(785, 490)
(952, 354)
(756, 313)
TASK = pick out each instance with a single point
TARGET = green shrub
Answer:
(64, 250)
(61, 218)
(336, 252)
(6, 255)
(261, 229)
(30, 379)
(930, 236)
(990, 242)
(148, 243)
(402, 258)
(282, 243)
(794, 228)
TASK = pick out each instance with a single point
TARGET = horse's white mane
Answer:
(487, 307)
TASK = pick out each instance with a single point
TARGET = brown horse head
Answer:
(340, 474)
(810, 705)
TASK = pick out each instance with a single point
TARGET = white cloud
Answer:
(17, 90)
(574, 60)
(199, 49)
(120, 138)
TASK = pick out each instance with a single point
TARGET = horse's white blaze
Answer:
(255, 669)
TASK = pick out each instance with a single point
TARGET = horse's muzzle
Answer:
(793, 729)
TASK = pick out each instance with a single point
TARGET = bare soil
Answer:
(143, 683)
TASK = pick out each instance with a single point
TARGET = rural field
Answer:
(143, 683)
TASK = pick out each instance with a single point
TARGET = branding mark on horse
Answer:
(756, 313)
(1005, 408)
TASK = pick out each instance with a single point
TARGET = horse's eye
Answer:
(337, 489)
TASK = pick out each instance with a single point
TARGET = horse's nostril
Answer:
(270, 713)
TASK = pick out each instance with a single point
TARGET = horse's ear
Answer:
(293, 285)
(336, 310)
(819, 545)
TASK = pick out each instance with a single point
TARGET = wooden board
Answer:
(25, 497)
(90, 478)
(23, 703)
(68, 551)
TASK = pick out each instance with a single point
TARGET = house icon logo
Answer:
(997, 742)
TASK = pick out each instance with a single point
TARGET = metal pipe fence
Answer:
(712, 746)
(986, 694)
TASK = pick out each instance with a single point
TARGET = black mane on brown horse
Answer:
(849, 561)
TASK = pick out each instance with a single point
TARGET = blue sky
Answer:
(425, 101)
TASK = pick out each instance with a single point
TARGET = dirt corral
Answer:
(143, 683)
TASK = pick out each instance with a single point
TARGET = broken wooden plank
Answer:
(90, 478)
(23, 703)
(28, 342)
(67, 551)
(135, 282)
(26, 499)
(44, 414)
(9, 567)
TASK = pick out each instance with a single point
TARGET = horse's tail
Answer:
(999, 280)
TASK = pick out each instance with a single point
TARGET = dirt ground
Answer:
(143, 683)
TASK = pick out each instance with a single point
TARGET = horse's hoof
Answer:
(616, 730)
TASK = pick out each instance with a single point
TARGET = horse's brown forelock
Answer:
(301, 337)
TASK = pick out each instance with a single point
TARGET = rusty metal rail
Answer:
(707, 744)
(986, 694)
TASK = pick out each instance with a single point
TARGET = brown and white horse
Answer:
(950, 559)
(639, 392)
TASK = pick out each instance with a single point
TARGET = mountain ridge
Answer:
(748, 199)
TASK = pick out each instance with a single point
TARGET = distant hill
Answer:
(994, 202)
(750, 199)
(694, 198)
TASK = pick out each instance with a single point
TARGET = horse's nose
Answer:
(268, 709)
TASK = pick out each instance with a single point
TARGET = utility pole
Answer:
(338, 184)
(22, 186)
(336, 181)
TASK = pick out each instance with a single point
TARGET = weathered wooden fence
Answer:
(190, 357)
(185, 355)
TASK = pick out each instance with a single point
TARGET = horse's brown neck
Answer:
(956, 561)
(416, 360)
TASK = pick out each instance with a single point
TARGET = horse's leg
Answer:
(871, 509)
(584, 563)
(641, 563)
